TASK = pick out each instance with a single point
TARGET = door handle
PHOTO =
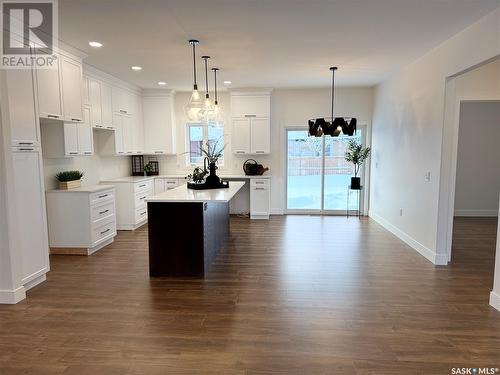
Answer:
(103, 212)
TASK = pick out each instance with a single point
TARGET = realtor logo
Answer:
(29, 33)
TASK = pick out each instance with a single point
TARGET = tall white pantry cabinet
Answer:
(28, 229)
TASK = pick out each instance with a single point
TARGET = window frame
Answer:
(204, 127)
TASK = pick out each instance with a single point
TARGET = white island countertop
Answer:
(183, 194)
(83, 189)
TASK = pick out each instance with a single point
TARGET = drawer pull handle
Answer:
(88, 153)
(240, 152)
(143, 213)
(142, 185)
(144, 197)
(120, 152)
(123, 111)
(103, 212)
(259, 152)
(109, 127)
(105, 231)
(102, 196)
(250, 115)
(259, 182)
(26, 143)
(259, 188)
(73, 153)
(98, 126)
(53, 116)
(26, 149)
(158, 152)
(76, 119)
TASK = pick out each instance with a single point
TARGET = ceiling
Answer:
(262, 43)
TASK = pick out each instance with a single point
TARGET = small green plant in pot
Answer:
(69, 179)
(148, 169)
(356, 154)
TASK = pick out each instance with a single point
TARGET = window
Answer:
(196, 136)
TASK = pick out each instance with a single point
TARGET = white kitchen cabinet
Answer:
(106, 106)
(131, 195)
(128, 134)
(85, 91)
(260, 198)
(70, 136)
(49, 92)
(260, 137)
(248, 104)
(21, 100)
(122, 100)
(68, 139)
(95, 103)
(159, 124)
(88, 226)
(240, 136)
(71, 79)
(32, 239)
(163, 184)
(251, 130)
(85, 135)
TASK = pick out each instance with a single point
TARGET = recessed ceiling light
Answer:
(227, 82)
(161, 83)
(136, 68)
(95, 44)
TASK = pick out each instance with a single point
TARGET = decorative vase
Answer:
(355, 183)
(212, 178)
(68, 185)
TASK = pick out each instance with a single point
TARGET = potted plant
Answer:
(69, 179)
(148, 169)
(212, 153)
(198, 175)
(356, 154)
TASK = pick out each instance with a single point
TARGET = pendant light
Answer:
(333, 126)
(206, 112)
(195, 104)
(217, 114)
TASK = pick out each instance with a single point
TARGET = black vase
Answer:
(212, 179)
(355, 183)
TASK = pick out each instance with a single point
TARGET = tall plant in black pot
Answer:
(212, 152)
(356, 154)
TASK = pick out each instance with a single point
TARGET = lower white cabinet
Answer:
(166, 183)
(81, 221)
(32, 239)
(131, 195)
(260, 198)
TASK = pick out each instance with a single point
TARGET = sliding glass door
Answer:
(317, 174)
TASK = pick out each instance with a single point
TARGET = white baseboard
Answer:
(495, 300)
(12, 296)
(480, 213)
(40, 279)
(438, 259)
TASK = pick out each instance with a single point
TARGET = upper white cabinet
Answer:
(71, 78)
(243, 105)
(50, 104)
(23, 117)
(106, 106)
(251, 130)
(159, 123)
(122, 100)
(95, 103)
(85, 135)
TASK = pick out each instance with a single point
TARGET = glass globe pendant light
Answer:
(195, 104)
(206, 112)
(217, 117)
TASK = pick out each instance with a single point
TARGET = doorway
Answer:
(318, 175)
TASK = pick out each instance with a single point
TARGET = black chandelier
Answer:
(332, 126)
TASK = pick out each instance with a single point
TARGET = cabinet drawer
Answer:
(260, 183)
(143, 186)
(103, 232)
(141, 214)
(140, 198)
(101, 196)
(171, 183)
(101, 211)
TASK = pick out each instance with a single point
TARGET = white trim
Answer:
(12, 296)
(479, 213)
(438, 259)
(276, 211)
(40, 279)
(495, 300)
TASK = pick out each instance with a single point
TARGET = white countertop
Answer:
(84, 189)
(228, 176)
(183, 194)
(128, 179)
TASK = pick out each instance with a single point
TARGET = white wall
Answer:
(407, 136)
(289, 108)
(478, 172)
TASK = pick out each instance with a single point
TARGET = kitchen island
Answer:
(187, 228)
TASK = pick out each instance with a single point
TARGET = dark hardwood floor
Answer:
(293, 295)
